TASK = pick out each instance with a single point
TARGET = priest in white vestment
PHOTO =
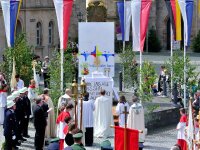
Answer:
(136, 118)
(103, 117)
(88, 119)
(65, 100)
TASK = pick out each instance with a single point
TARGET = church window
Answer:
(50, 29)
(39, 34)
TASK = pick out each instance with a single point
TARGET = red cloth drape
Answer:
(182, 143)
(132, 139)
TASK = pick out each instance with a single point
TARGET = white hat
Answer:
(16, 94)
(10, 104)
(10, 98)
(23, 90)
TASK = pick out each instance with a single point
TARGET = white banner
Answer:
(94, 86)
(96, 48)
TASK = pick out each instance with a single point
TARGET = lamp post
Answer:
(75, 94)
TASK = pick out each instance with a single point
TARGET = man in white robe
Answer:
(64, 100)
(88, 119)
(136, 118)
(103, 117)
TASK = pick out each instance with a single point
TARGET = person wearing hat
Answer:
(40, 124)
(136, 118)
(19, 113)
(45, 69)
(10, 124)
(106, 145)
(54, 144)
(27, 111)
(78, 142)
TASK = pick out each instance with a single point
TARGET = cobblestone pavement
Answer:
(161, 139)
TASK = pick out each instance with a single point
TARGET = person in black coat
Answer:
(10, 126)
(19, 113)
(27, 111)
(40, 124)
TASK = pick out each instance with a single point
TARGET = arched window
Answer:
(18, 28)
(39, 34)
(50, 29)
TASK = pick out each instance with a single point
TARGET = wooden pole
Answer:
(75, 110)
(81, 120)
(125, 127)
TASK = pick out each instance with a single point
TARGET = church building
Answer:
(37, 19)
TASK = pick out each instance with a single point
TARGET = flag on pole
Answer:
(63, 12)
(132, 138)
(120, 6)
(190, 128)
(139, 10)
(175, 18)
(187, 7)
(10, 10)
(13, 81)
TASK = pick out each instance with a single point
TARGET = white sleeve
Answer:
(118, 109)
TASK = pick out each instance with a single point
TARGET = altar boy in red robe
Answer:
(61, 124)
(181, 130)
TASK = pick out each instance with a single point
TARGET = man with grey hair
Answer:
(64, 100)
(136, 118)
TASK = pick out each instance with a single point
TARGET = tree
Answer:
(55, 73)
(153, 41)
(196, 43)
(178, 69)
(130, 73)
(22, 53)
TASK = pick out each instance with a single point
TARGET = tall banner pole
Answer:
(140, 70)
(61, 69)
(124, 43)
(184, 73)
(171, 60)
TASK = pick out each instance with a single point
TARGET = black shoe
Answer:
(18, 143)
(46, 143)
(16, 148)
(26, 136)
(23, 139)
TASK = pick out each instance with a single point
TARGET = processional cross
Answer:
(125, 112)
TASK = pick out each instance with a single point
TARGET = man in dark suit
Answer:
(40, 124)
(10, 124)
(27, 111)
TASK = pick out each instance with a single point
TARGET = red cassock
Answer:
(61, 126)
(181, 139)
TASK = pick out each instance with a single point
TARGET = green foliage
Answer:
(130, 72)
(153, 41)
(22, 53)
(196, 43)
(178, 67)
(55, 69)
(149, 76)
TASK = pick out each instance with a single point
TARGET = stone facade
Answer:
(42, 11)
(34, 11)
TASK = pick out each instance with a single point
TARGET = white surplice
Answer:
(103, 117)
(120, 112)
(136, 119)
(88, 108)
